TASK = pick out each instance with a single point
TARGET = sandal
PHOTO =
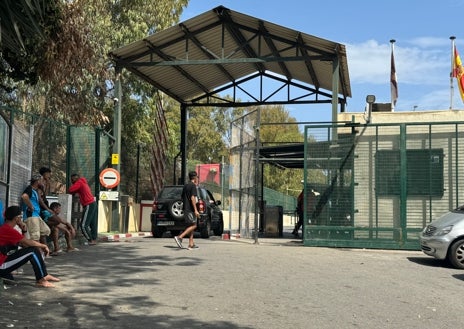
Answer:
(56, 252)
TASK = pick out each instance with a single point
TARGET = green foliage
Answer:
(74, 82)
(205, 142)
(278, 127)
(25, 26)
(62, 71)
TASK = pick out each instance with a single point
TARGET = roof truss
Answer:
(253, 61)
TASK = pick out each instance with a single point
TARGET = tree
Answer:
(278, 127)
(25, 27)
(75, 79)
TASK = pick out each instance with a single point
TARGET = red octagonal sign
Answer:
(109, 177)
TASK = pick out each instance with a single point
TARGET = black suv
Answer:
(168, 213)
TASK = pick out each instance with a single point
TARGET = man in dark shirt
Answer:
(189, 199)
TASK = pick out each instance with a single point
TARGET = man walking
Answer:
(89, 222)
(189, 198)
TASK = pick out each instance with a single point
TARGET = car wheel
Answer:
(157, 232)
(176, 209)
(204, 233)
(220, 229)
(456, 254)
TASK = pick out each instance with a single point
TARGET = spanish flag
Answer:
(458, 72)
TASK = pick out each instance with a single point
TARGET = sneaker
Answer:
(193, 247)
(7, 277)
(178, 241)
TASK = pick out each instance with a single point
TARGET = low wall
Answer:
(139, 217)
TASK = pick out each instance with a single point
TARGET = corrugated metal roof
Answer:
(223, 50)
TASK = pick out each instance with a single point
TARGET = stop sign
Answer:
(109, 178)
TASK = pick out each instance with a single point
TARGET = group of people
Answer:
(23, 235)
(42, 219)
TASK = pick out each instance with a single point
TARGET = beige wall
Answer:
(412, 116)
(388, 138)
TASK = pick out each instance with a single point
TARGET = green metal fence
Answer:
(30, 142)
(380, 184)
(276, 198)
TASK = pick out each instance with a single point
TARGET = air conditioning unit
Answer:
(381, 107)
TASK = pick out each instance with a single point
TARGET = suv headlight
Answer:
(445, 230)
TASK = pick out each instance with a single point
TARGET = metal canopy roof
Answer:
(286, 156)
(319, 155)
(226, 52)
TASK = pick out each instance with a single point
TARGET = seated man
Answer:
(54, 222)
(57, 224)
(11, 258)
(32, 204)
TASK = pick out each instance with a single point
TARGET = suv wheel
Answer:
(176, 209)
(204, 233)
(456, 254)
(220, 229)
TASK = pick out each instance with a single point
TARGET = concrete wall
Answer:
(419, 210)
(401, 117)
(139, 217)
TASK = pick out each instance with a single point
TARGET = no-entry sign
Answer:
(109, 178)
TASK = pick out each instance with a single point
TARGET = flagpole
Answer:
(452, 38)
(393, 80)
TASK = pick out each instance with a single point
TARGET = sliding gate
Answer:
(378, 185)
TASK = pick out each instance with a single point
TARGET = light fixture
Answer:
(370, 99)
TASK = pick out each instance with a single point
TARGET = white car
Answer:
(443, 238)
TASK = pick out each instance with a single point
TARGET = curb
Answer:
(117, 237)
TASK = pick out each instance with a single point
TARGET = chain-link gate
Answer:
(243, 184)
(378, 185)
(31, 142)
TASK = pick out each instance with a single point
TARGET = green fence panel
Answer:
(380, 184)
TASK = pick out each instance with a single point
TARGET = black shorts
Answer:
(190, 218)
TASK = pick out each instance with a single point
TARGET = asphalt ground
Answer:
(144, 282)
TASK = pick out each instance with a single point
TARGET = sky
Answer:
(422, 51)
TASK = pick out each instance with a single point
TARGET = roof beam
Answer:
(154, 83)
(223, 61)
(274, 50)
(205, 51)
(178, 68)
(224, 16)
(309, 65)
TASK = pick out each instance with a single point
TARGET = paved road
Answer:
(149, 283)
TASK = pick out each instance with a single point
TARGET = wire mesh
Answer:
(37, 142)
(380, 184)
(242, 175)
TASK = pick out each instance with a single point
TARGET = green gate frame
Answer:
(351, 212)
